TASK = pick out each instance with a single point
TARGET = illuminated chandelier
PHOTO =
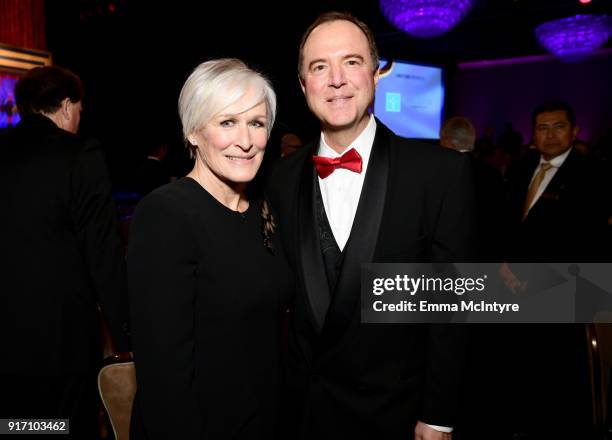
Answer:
(425, 18)
(574, 38)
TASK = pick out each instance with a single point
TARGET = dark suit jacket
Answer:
(61, 254)
(546, 365)
(347, 379)
(568, 222)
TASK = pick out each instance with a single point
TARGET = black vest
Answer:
(332, 255)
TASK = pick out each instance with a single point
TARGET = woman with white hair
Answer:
(208, 280)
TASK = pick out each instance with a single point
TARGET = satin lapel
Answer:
(362, 241)
(313, 271)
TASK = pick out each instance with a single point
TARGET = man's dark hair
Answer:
(554, 106)
(328, 17)
(42, 90)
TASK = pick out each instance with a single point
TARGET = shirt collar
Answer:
(557, 161)
(363, 143)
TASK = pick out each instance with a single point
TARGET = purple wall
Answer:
(494, 92)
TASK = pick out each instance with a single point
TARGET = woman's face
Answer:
(232, 144)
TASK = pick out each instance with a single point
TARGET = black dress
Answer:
(206, 300)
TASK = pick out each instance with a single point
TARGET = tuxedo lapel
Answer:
(362, 241)
(311, 257)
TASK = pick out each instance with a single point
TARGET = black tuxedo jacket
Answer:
(568, 222)
(352, 380)
(61, 255)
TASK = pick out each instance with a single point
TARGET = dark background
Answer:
(134, 56)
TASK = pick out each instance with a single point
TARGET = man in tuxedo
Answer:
(371, 197)
(61, 258)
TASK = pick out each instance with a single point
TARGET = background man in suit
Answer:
(458, 133)
(60, 257)
(557, 201)
(557, 197)
(376, 198)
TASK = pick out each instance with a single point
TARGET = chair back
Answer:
(117, 387)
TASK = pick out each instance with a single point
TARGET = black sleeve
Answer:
(454, 236)
(447, 343)
(95, 223)
(162, 262)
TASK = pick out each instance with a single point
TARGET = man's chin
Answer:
(342, 124)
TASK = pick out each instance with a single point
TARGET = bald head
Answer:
(458, 134)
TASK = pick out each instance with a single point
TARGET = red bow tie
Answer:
(351, 160)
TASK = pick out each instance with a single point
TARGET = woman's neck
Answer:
(230, 194)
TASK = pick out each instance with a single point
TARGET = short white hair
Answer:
(215, 85)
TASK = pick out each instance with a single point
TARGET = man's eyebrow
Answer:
(353, 55)
(318, 60)
(551, 123)
(345, 57)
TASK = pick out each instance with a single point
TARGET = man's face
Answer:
(553, 133)
(337, 76)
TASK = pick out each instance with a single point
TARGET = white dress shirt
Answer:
(341, 191)
(342, 188)
(556, 163)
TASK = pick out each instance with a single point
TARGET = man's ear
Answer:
(576, 131)
(65, 108)
(302, 85)
(376, 77)
(62, 115)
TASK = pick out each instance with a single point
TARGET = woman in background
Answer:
(208, 278)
